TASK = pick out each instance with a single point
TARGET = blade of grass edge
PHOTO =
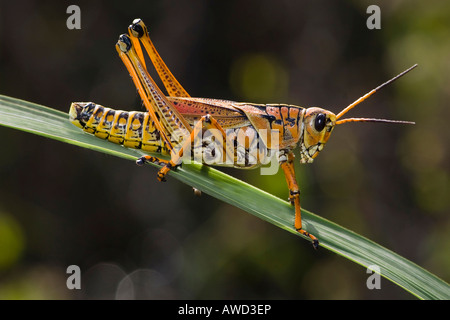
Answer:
(54, 124)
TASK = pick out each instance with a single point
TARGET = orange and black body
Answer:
(213, 131)
(243, 123)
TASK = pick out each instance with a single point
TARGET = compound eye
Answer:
(320, 121)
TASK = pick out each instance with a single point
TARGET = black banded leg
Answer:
(149, 159)
(167, 165)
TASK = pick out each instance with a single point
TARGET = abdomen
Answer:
(131, 129)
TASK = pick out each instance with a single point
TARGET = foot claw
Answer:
(314, 240)
(315, 244)
(197, 192)
(140, 161)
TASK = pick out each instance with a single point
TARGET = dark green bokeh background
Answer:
(136, 238)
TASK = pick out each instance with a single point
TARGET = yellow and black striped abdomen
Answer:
(131, 129)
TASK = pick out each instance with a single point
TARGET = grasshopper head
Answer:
(317, 126)
(318, 123)
(80, 112)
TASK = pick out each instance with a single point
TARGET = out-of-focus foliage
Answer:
(64, 205)
(11, 241)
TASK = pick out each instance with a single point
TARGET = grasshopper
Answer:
(212, 131)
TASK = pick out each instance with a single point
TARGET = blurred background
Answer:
(136, 238)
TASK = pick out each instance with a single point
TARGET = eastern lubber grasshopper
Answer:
(212, 131)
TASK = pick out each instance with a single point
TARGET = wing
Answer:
(223, 111)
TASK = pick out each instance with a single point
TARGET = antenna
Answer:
(367, 95)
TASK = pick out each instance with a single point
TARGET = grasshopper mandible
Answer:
(226, 132)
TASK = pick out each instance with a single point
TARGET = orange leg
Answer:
(138, 30)
(171, 125)
(174, 129)
(168, 121)
(157, 161)
(205, 123)
(287, 164)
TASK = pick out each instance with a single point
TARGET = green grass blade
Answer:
(54, 124)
